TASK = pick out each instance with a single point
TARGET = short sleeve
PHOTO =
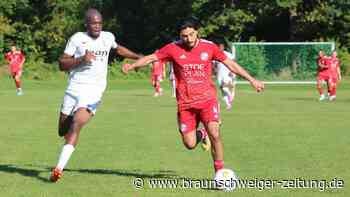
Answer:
(71, 46)
(218, 54)
(114, 43)
(163, 53)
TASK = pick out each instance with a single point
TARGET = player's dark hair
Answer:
(188, 23)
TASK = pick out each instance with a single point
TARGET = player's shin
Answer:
(66, 153)
(18, 83)
(319, 88)
(217, 148)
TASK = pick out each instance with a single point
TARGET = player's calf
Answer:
(64, 124)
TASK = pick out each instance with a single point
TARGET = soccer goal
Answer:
(281, 62)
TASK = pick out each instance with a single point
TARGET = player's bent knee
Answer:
(189, 140)
(82, 116)
(190, 146)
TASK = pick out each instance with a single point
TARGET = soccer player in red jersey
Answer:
(157, 76)
(195, 91)
(16, 60)
(335, 75)
(323, 75)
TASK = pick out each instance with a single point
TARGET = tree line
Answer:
(42, 27)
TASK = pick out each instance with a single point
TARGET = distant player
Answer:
(172, 79)
(335, 75)
(158, 70)
(195, 91)
(324, 75)
(15, 61)
(85, 58)
(225, 78)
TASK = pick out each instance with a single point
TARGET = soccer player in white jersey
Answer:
(86, 59)
(225, 78)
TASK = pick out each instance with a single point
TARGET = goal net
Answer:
(281, 62)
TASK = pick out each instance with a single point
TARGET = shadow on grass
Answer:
(35, 171)
(312, 99)
(129, 173)
(29, 172)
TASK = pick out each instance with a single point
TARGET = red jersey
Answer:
(326, 62)
(15, 60)
(157, 67)
(193, 71)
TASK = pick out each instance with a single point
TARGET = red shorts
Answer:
(156, 78)
(189, 118)
(328, 78)
(17, 72)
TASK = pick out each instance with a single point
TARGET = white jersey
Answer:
(93, 75)
(222, 70)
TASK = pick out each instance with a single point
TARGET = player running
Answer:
(195, 91)
(158, 72)
(86, 59)
(16, 60)
(335, 75)
(225, 78)
(324, 64)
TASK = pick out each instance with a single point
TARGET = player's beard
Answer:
(190, 45)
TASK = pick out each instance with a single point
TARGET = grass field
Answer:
(283, 134)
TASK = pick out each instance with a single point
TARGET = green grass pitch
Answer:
(284, 133)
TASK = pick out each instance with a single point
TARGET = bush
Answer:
(344, 57)
(252, 58)
(115, 72)
(39, 70)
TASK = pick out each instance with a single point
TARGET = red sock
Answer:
(157, 87)
(333, 91)
(18, 84)
(218, 165)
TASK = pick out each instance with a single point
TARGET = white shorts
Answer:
(72, 101)
(226, 79)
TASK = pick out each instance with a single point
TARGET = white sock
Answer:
(227, 100)
(173, 88)
(232, 95)
(67, 151)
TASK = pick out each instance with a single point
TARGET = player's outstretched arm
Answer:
(339, 73)
(125, 52)
(236, 68)
(67, 62)
(140, 63)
